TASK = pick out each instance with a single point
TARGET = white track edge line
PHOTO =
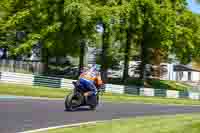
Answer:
(63, 126)
(31, 97)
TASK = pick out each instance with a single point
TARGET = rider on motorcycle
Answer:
(91, 80)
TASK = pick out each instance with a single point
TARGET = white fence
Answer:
(17, 78)
(21, 66)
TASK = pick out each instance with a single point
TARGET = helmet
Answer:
(96, 67)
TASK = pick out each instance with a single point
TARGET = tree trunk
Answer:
(57, 62)
(157, 60)
(144, 50)
(45, 59)
(104, 61)
(81, 57)
(143, 55)
(126, 56)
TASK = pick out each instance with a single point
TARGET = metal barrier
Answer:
(47, 81)
(160, 92)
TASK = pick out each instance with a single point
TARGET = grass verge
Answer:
(22, 90)
(25, 90)
(158, 124)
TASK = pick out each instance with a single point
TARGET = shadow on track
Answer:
(81, 109)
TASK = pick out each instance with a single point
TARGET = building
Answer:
(186, 73)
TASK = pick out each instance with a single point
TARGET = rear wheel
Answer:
(72, 102)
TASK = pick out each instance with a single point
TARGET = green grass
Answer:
(22, 90)
(170, 85)
(155, 100)
(157, 124)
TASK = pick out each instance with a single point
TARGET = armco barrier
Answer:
(47, 81)
(115, 88)
(147, 92)
(194, 96)
(160, 92)
(172, 94)
(132, 90)
(183, 94)
(53, 82)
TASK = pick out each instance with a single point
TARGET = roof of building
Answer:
(181, 67)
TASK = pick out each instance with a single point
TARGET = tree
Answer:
(40, 20)
(79, 26)
(189, 37)
(157, 27)
(106, 13)
(60, 33)
(153, 24)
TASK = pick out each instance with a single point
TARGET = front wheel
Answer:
(94, 102)
(93, 107)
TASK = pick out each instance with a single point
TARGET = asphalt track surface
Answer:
(17, 115)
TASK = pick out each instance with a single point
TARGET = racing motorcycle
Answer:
(77, 99)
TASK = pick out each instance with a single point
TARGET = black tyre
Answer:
(94, 103)
(72, 102)
(93, 107)
(67, 106)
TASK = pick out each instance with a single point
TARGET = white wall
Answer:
(195, 76)
(185, 76)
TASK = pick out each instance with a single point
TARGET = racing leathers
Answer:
(90, 80)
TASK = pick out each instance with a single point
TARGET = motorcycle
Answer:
(77, 99)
